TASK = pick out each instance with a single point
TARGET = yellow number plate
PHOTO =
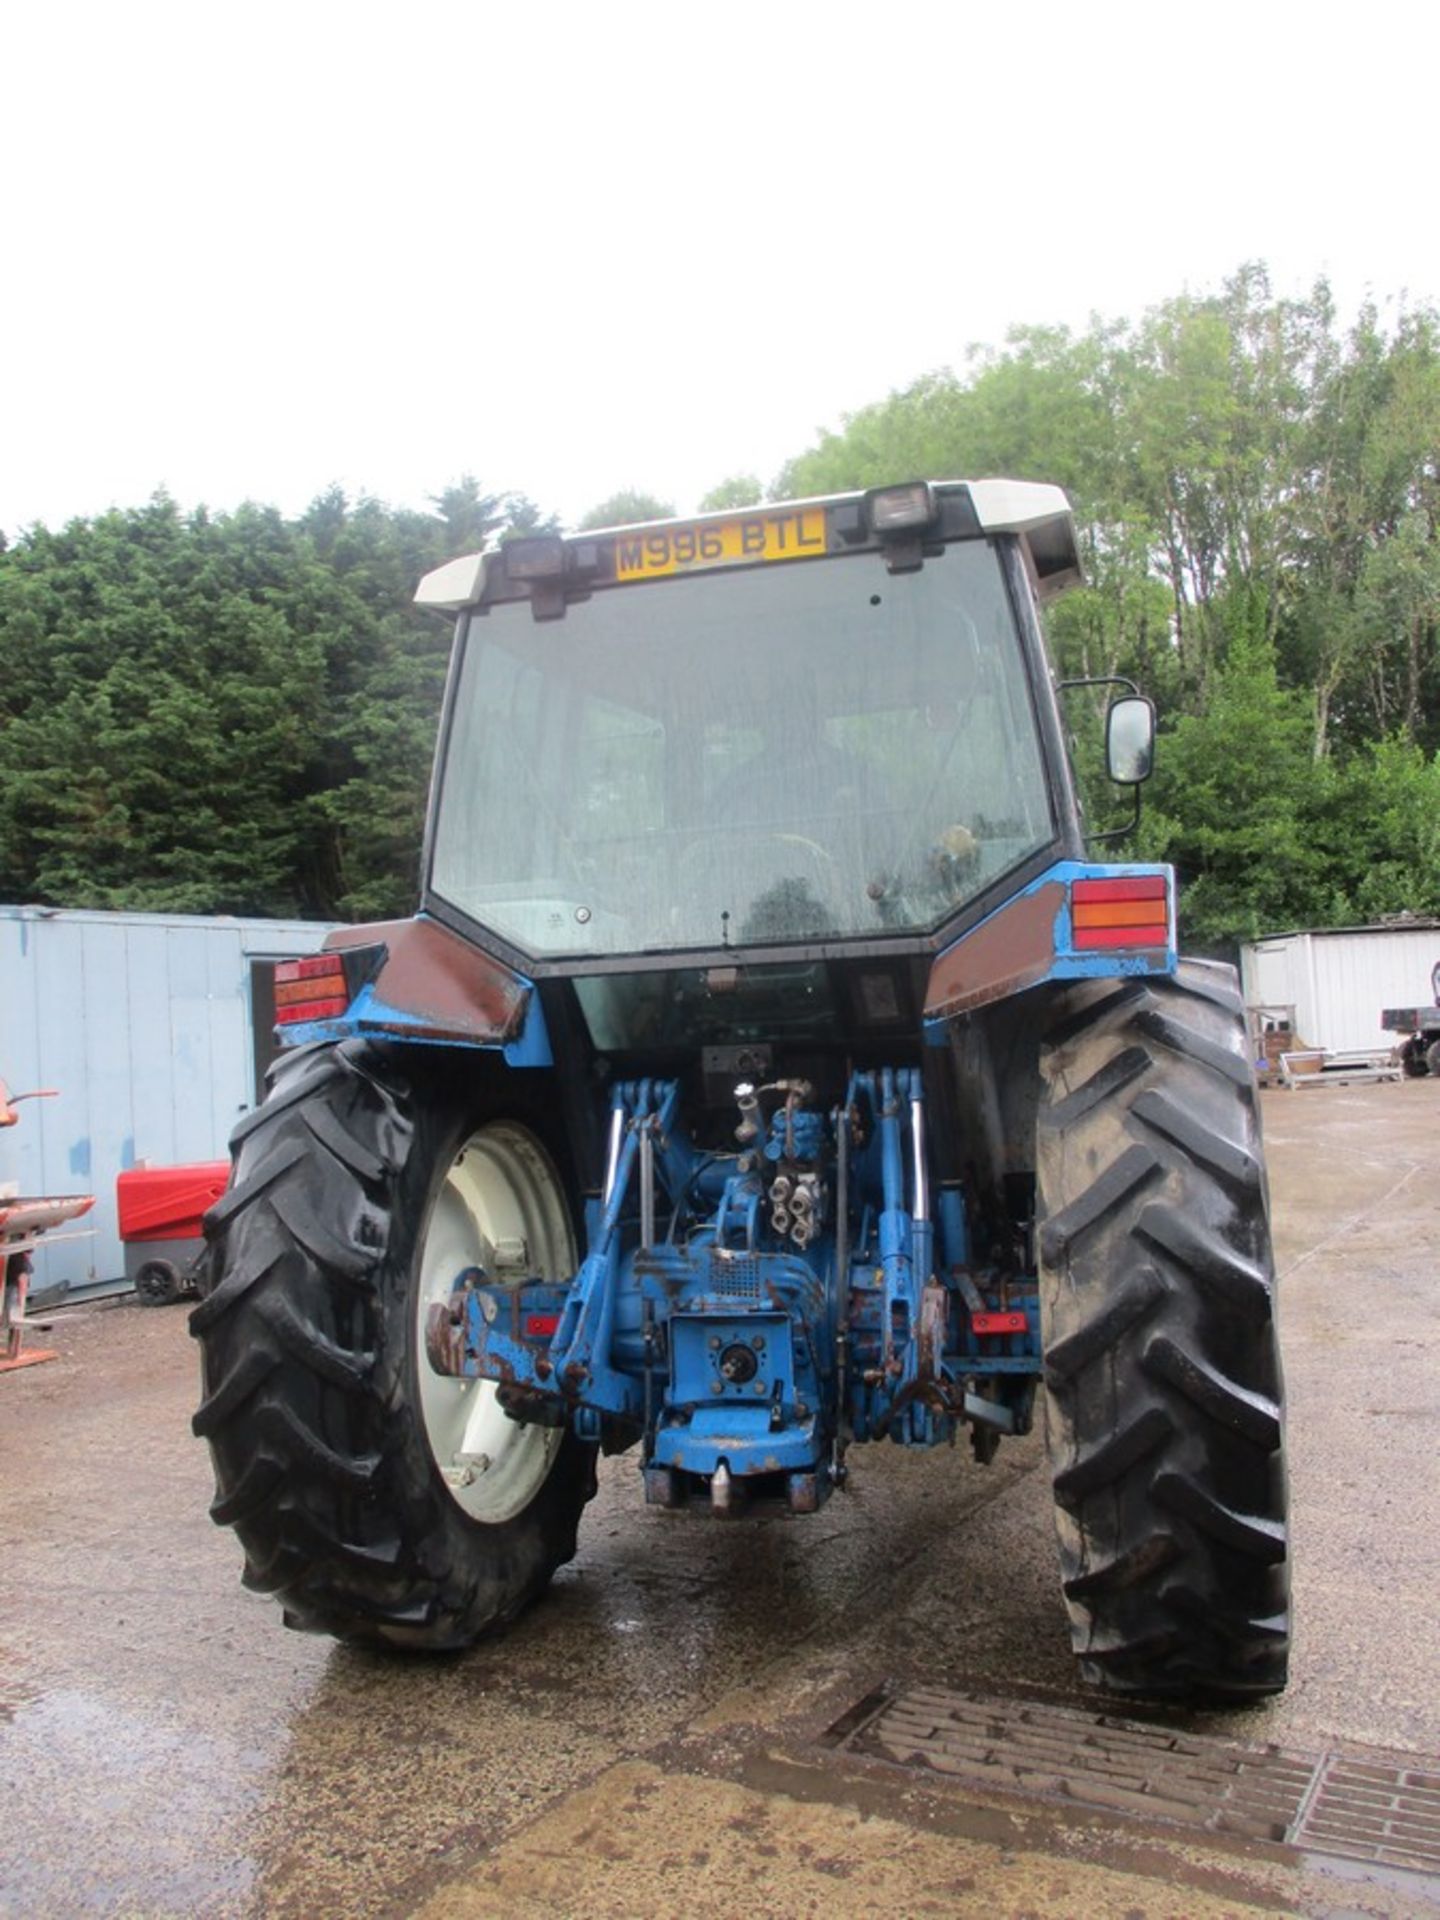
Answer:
(794, 534)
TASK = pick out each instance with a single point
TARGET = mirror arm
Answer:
(1128, 826)
(1098, 680)
(1108, 680)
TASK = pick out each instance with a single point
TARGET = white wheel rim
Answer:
(501, 1189)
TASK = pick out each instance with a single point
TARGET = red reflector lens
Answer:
(1135, 886)
(319, 966)
(1102, 937)
(998, 1322)
(540, 1326)
(328, 1009)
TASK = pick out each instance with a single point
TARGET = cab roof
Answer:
(1037, 512)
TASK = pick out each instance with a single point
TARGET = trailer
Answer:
(1419, 1051)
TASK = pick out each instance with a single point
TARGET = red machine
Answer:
(160, 1209)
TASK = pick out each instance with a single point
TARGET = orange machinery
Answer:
(22, 1221)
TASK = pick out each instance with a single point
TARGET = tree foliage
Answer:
(628, 508)
(232, 713)
(1257, 492)
(236, 712)
(740, 490)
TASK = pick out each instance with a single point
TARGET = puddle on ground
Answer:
(111, 1809)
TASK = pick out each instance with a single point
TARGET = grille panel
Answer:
(736, 1277)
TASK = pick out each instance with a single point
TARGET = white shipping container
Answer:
(143, 1025)
(1340, 981)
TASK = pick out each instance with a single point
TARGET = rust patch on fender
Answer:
(1010, 951)
(1007, 953)
(443, 983)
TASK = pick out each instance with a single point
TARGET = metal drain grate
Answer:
(1367, 1812)
(1328, 1803)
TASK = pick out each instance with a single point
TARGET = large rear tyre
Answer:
(1162, 1367)
(377, 1499)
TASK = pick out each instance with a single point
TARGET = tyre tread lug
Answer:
(1224, 1400)
(1113, 1457)
(1233, 1163)
(249, 1373)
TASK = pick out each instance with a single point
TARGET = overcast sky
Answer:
(252, 250)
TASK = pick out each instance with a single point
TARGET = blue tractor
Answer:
(769, 1070)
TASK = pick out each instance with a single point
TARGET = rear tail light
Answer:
(313, 989)
(1129, 911)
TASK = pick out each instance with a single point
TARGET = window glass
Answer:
(812, 750)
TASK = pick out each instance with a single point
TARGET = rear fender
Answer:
(1035, 937)
(416, 980)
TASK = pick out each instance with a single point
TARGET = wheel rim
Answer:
(157, 1282)
(500, 1191)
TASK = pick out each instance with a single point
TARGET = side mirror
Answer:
(1130, 739)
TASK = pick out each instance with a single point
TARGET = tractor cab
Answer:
(813, 727)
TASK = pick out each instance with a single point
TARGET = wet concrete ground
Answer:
(648, 1739)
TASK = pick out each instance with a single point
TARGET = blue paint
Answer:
(80, 1158)
(127, 1153)
(532, 1049)
(718, 1342)
(368, 1015)
(954, 1227)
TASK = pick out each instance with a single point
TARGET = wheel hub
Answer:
(498, 1214)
